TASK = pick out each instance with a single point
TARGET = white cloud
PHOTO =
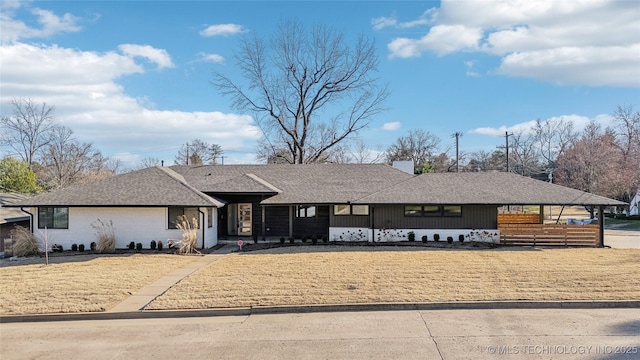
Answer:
(441, 39)
(82, 87)
(221, 30)
(528, 127)
(159, 57)
(584, 42)
(391, 126)
(50, 24)
(425, 19)
(214, 58)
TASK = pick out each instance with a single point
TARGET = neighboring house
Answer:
(9, 219)
(348, 202)
(634, 205)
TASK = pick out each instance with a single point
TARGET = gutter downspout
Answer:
(30, 219)
(601, 226)
(202, 227)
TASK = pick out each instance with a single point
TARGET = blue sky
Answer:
(133, 77)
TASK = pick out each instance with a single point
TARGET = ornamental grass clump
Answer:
(106, 236)
(26, 243)
(189, 235)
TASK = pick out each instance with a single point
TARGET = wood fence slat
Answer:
(551, 234)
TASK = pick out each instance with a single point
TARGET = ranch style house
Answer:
(337, 202)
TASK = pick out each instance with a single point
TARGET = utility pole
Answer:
(457, 135)
(506, 136)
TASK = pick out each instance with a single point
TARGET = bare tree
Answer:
(592, 164)
(419, 146)
(65, 161)
(198, 152)
(553, 136)
(148, 162)
(309, 90)
(524, 155)
(358, 153)
(28, 129)
(485, 161)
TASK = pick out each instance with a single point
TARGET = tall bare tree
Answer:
(308, 89)
(28, 129)
(198, 152)
(553, 136)
(419, 146)
(524, 155)
(66, 161)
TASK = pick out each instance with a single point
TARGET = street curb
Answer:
(284, 309)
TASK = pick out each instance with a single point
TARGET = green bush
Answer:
(152, 245)
(132, 245)
(139, 246)
(74, 247)
(412, 236)
(291, 240)
(159, 245)
(450, 239)
(81, 247)
(424, 238)
(461, 238)
(314, 239)
(325, 239)
(92, 246)
(436, 237)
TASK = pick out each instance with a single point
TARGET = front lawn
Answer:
(336, 275)
(81, 283)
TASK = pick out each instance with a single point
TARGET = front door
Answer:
(244, 220)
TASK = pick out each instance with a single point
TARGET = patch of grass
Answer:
(619, 224)
(329, 275)
(82, 283)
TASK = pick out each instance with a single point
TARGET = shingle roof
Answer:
(11, 214)
(482, 188)
(297, 184)
(155, 186)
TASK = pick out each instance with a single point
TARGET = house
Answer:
(634, 205)
(343, 202)
(142, 205)
(9, 219)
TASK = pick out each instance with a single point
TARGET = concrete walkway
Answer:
(147, 294)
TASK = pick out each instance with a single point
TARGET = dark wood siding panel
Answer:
(473, 217)
(317, 225)
(350, 220)
(277, 220)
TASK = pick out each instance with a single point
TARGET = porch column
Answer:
(291, 220)
(541, 214)
(264, 223)
(601, 225)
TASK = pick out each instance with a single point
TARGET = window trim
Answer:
(349, 210)
(52, 221)
(171, 223)
(441, 211)
(302, 211)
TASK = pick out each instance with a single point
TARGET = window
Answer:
(452, 210)
(303, 211)
(53, 218)
(175, 212)
(413, 210)
(350, 210)
(341, 210)
(432, 210)
(360, 209)
(209, 217)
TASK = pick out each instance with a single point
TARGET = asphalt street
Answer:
(415, 334)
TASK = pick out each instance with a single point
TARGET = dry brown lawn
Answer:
(84, 283)
(335, 275)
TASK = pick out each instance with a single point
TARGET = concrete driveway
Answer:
(622, 239)
(415, 334)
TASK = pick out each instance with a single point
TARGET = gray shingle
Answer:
(482, 188)
(155, 186)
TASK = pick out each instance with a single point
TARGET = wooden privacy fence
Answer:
(546, 234)
(518, 219)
